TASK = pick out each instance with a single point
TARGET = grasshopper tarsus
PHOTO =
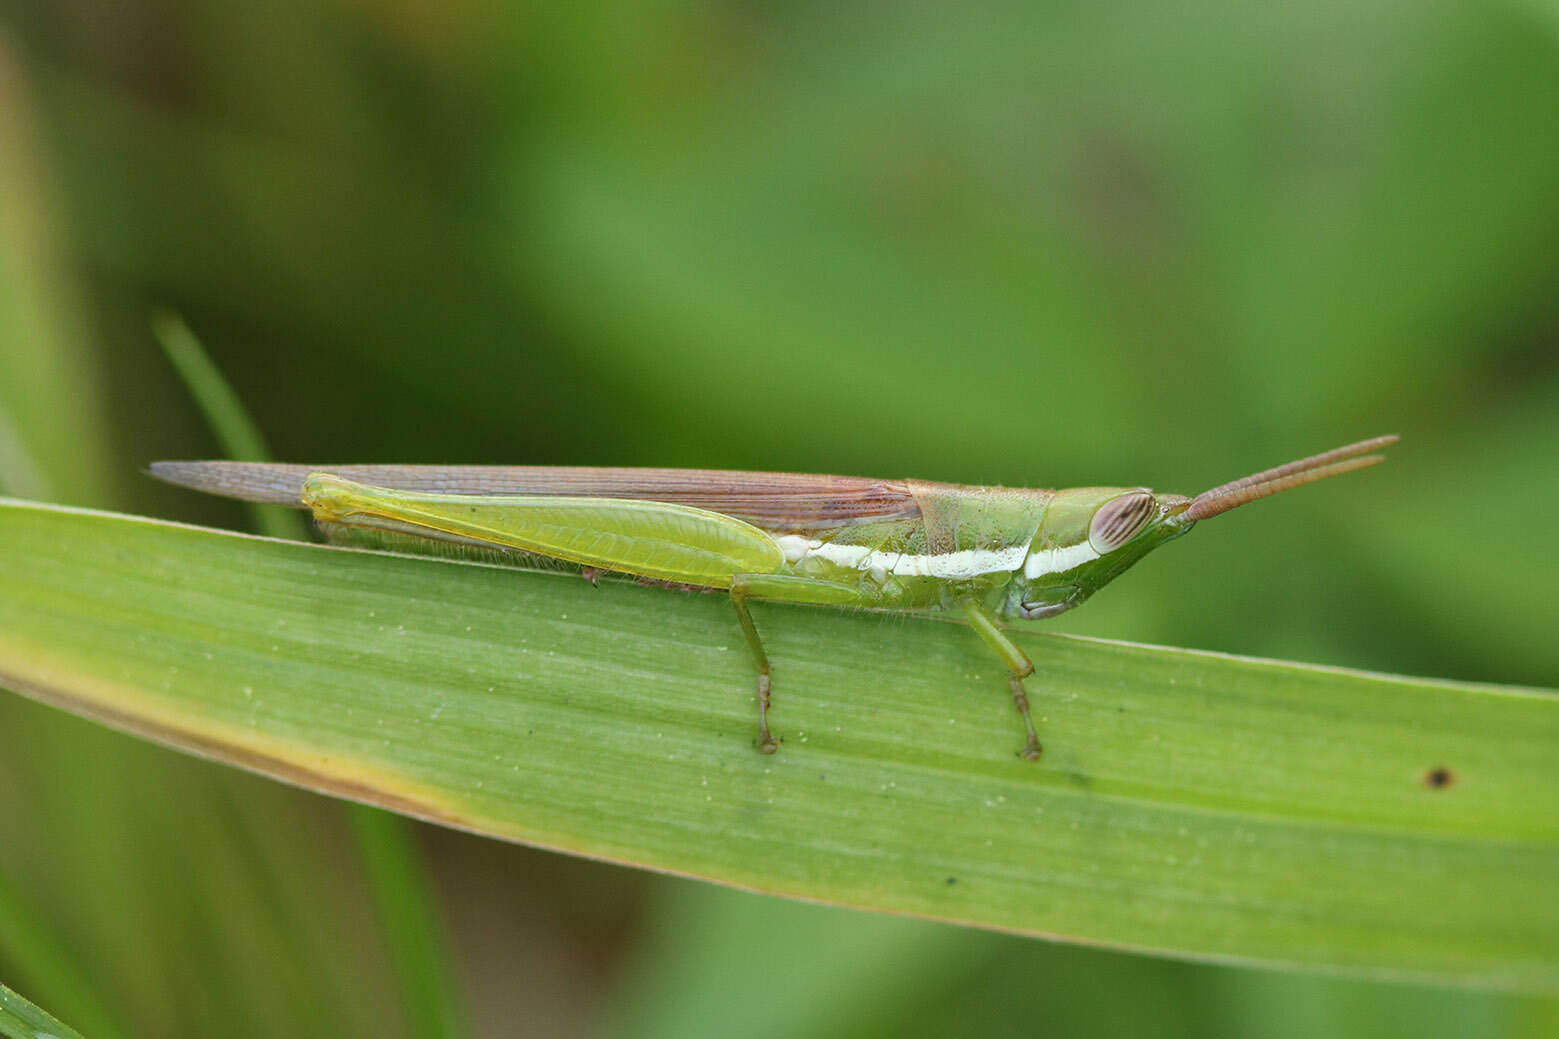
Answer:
(1020, 700)
(766, 741)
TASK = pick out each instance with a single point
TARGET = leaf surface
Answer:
(1187, 803)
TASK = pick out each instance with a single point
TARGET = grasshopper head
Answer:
(1091, 535)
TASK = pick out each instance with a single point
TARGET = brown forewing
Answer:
(774, 501)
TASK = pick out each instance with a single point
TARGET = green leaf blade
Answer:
(21, 1019)
(1199, 805)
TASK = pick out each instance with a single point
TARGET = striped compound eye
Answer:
(1119, 519)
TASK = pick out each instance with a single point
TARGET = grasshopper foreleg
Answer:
(1018, 664)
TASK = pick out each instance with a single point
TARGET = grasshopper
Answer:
(990, 553)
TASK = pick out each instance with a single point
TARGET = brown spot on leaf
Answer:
(1439, 777)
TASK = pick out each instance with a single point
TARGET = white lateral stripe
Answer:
(967, 563)
(1058, 560)
(795, 547)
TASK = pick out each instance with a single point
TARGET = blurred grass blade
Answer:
(50, 968)
(54, 439)
(20, 1019)
(403, 896)
(1194, 804)
(401, 888)
(238, 434)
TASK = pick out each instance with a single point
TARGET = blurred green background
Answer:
(1034, 244)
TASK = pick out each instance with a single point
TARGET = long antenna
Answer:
(1295, 474)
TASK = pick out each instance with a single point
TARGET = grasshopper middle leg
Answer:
(766, 741)
(780, 588)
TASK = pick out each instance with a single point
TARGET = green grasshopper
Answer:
(894, 545)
